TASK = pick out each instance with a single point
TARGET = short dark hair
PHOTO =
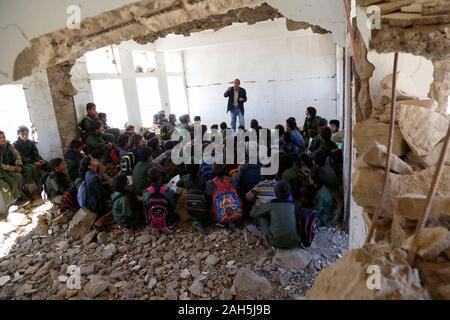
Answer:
(101, 115)
(129, 128)
(320, 157)
(336, 123)
(75, 144)
(154, 175)
(143, 154)
(119, 183)
(148, 135)
(223, 125)
(312, 111)
(215, 126)
(280, 129)
(96, 124)
(84, 166)
(135, 139)
(291, 124)
(197, 118)
(220, 170)
(90, 106)
(22, 129)
(153, 143)
(282, 190)
(123, 140)
(55, 163)
(317, 176)
(254, 124)
(322, 123)
(242, 128)
(325, 133)
(184, 118)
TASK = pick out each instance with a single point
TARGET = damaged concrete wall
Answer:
(302, 74)
(35, 48)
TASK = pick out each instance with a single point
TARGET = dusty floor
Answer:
(121, 264)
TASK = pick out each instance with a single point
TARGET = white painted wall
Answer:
(419, 69)
(283, 73)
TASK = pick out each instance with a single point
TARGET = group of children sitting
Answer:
(133, 177)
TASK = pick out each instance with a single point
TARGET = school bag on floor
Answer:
(227, 207)
(196, 204)
(127, 164)
(156, 211)
(308, 222)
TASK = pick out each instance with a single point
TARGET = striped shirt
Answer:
(265, 191)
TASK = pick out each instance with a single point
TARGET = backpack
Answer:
(82, 194)
(127, 164)
(69, 201)
(114, 155)
(196, 204)
(227, 207)
(252, 176)
(156, 211)
(308, 222)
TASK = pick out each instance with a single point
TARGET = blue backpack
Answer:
(206, 172)
(81, 194)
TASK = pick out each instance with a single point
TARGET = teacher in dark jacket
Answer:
(237, 96)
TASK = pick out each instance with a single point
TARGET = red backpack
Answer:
(227, 207)
(156, 210)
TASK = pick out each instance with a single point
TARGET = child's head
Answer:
(197, 118)
(86, 164)
(322, 123)
(320, 158)
(317, 177)
(123, 141)
(184, 119)
(23, 133)
(154, 176)
(193, 170)
(311, 112)
(102, 117)
(57, 165)
(130, 129)
(172, 118)
(98, 127)
(220, 170)
(153, 143)
(291, 124)
(223, 126)
(75, 146)
(215, 127)
(120, 183)
(144, 154)
(136, 141)
(148, 135)
(2, 138)
(254, 124)
(280, 129)
(91, 110)
(334, 126)
(325, 134)
(282, 190)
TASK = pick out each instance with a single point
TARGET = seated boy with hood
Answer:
(126, 209)
(57, 182)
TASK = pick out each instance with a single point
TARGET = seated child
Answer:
(97, 146)
(323, 201)
(140, 171)
(32, 161)
(222, 197)
(263, 192)
(126, 210)
(73, 158)
(96, 195)
(159, 206)
(11, 180)
(57, 182)
(320, 161)
(136, 143)
(155, 146)
(196, 200)
(278, 220)
(123, 147)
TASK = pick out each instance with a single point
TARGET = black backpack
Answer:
(308, 222)
(127, 164)
(196, 204)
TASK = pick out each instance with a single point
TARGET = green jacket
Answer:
(56, 184)
(123, 210)
(310, 126)
(292, 176)
(140, 176)
(282, 231)
(9, 158)
(28, 151)
(95, 141)
(324, 205)
(86, 125)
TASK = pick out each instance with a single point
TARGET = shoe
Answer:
(199, 227)
(219, 225)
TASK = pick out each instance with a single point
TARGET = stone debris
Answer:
(249, 285)
(81, 223)
(18, 219)
(292, 259)
(433, 242)
(377, 156)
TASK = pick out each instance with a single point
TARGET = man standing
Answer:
(237, 96)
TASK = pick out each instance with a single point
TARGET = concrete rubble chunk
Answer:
(384, 113)
(292, 259)
(412, 206)
(422, 128)
(404, 83)
(435, 276)
(386, 96)
(364, 133)
(81, 223)
(377, 156)
(109, 252)
(248, 285)
(433, 242)
(18, 219)
(432, 158)
(95, 287)
(347, 278)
